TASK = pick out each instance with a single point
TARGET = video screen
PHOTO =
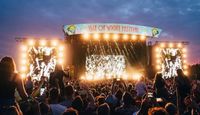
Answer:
(105, 65)
(41, 61)
(171, 60)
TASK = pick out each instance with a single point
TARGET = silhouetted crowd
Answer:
(62, 95)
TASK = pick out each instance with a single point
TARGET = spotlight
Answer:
(125, 37)
(23, 55)
(133, 37)
(61, 48)
(171, 45)
(23, 69)
(162, 45)
(86, 36)
(60, 55)
(60, 61)
(158, 67)
(89, 77)
(125, 77)
(184, 50)
(184, 61)
(23, 62)
(158, 61)
(184, 55)
(115, 36)
(43, 42)
(185, 72)
(96, 36)
(96, 78)
(109, 77)
(23, 76)
(24, 48)
(157, 55)
(82, 77)
(31, 42)
(106, 36)
(185, 67)
(157, 49)
(179, 45)
(136, 76)
(54, 42)
(142, 37)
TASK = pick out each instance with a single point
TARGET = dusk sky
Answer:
(178, 19)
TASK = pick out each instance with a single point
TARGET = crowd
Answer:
(62, 95)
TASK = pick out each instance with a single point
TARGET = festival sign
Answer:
(91, 28)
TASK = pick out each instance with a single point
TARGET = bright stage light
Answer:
(31, 42)
(86, 36)
(24, 48)
(185, 67)
(185, 72)
(142, 37)
(179, 45)
(23, 68)
(184, 55)
(136, 76)
(89, 77)
(23, 76)
(61, 48)
(60, 61)
(158, 61)
(125, 77)
(158, 67)
(171, 45)
(106, 36)
(125, 37)
(54, 42)
(60, 55)
(184, 50)
(98, 78)
(133, 37)
(184, 61)
(157, 49)
(96, 36)
(115, 36)
(162, 45)
(23, 62)
(157, 55)
(23, 55)
(109, 77)
(82, 77)
(43, 42)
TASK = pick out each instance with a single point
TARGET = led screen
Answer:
(41, 61)
(171, 60)
(105, 65)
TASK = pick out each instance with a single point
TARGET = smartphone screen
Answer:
(159, 99)
(42, 91)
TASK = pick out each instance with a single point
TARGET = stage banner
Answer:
(113, 28)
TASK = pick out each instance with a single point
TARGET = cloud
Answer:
(179, 19)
